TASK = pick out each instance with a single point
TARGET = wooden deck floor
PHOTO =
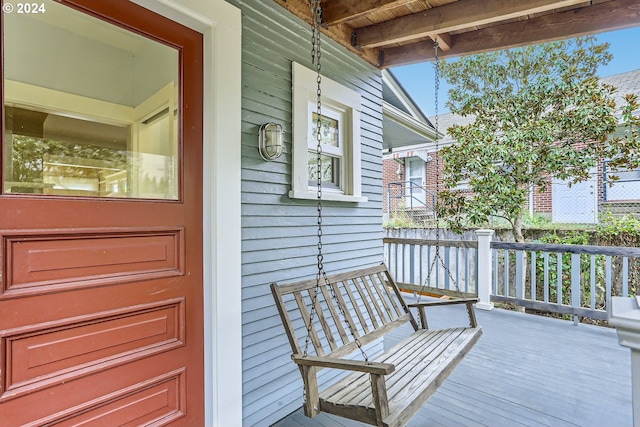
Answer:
(526, 370)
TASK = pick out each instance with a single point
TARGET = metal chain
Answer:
(316, 54)
(437, 145)
(437, 257)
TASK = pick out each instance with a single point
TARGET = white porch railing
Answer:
(568, 279)
(409, 261)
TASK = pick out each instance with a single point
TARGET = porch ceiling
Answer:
(389, 33)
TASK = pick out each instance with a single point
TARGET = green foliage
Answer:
(540, 112)
(536, 221)
(401, 219)
(618, 231)
(562, 294)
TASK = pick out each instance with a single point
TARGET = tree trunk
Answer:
(517, 230)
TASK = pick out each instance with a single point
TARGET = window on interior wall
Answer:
(339, 121)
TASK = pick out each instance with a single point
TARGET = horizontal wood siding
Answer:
(279, 236)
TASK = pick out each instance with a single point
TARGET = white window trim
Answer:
(338, 98)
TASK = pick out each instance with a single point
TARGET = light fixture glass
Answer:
(270, 143)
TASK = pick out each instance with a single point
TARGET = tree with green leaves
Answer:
(540, 113)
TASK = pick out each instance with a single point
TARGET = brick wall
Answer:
(542, 201)
(390, 169)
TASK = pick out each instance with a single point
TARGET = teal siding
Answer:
(279, 234)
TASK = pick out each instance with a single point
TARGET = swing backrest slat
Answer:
(366, 305)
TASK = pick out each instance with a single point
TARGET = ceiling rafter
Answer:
(456, 16)
(338, 12)
(610, 15)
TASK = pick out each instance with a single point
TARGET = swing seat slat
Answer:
(391, 388)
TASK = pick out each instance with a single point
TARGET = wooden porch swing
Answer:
(351, 310)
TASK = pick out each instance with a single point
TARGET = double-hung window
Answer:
(339, 139)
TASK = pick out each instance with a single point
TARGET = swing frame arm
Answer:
(311, 365)
(344, 364)
(421, 306)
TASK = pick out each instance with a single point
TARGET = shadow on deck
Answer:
(525, 370)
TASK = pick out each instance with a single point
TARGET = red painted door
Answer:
(101, 312)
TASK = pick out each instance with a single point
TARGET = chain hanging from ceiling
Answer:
(321, 275)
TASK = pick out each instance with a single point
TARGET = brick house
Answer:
(558, 201)
(407, 134)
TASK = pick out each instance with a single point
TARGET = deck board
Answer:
(525, 370)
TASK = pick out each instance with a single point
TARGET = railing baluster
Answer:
(412, 250)
(404, 262)
(420, 264)
(575, 284)
(447, 263)
(520, 274)
(592, 281)
(437, 271)
(559, 272)
(545, 258)
(608, 279)
(466, 269)
(534, 291)
(395, 262)
(495, 270)
(506, 273)
(458, 266)
(625, 276)
(429, 272)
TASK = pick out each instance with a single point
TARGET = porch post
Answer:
(624, 314)
(484, 269)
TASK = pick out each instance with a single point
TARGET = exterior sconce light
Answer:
(270, 142)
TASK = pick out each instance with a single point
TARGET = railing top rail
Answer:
(433, 242)
(574, 249)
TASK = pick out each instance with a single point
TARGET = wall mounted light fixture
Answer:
(270, 141)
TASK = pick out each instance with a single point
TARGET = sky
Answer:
(418, 79)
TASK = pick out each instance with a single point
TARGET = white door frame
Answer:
(221, 26)
(418, 195)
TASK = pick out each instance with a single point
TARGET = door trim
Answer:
(218, 20)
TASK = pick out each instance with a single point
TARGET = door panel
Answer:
(575, 203)
(101, 311)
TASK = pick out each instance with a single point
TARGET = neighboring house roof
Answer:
(403, 122)
(445, 121)
(625, 83)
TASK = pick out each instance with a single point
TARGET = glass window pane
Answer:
(330, 170)
(329, 131)
(90, 108)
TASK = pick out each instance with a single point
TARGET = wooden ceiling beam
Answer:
(444, 41)
(338, 12)
(451, 17)
(606, 16)
(340, 33)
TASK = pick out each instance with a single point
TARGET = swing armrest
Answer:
(443, 302)
(345, 364)
(421, 306)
